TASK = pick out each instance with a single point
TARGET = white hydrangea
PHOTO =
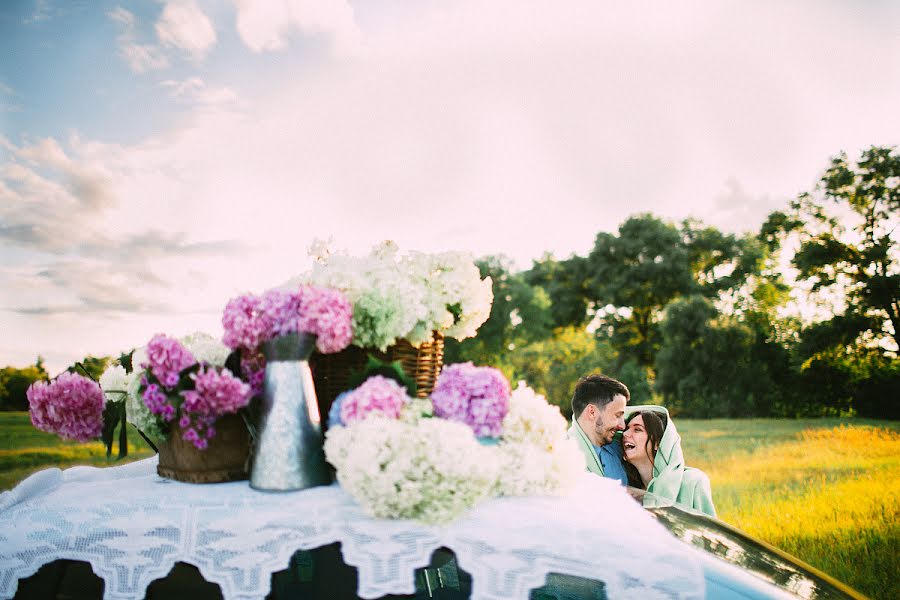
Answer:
(531, 419)
(114, 383)
(407, 296)
(139, 359)
(537, 457)
(530, 470)
(206, 348)
(431, 471)
(417, 409)
(136, 412)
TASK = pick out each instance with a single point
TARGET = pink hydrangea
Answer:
(71, 406)
(215, 393)
(324, 312)
(280, 312)
(328, 314)
(476, 396)
(166, 358)
(245, 323)
(377, 395)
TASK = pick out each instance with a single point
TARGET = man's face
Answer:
(608, 420)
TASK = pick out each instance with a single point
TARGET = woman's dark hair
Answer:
(655, 426)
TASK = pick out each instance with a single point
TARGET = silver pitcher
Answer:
(288, 454)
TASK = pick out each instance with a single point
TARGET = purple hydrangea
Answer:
(215, 393)
(157, 400)
(245, 323)
(253, 370)
(476, 396)
(280, 312)
(166, 359)
(71, 406)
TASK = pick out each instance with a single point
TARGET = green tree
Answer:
(635, 273)
(15, 383)
(552, 366)
(519, 314)
(848, 244)
(709, 364)
(565, 282)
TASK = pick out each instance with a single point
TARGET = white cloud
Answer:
(265, 25)
(41, 12)
(84, 244)
(195, 92)
(184, 26)
(140, 57)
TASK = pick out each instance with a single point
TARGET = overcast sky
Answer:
(159, 157)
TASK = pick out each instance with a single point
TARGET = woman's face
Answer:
(634, 441)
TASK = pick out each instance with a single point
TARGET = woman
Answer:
(654, 461)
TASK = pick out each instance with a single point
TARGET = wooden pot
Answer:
(227, 457)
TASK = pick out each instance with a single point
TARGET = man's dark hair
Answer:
(598, 390)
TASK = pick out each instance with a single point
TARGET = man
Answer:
(598, 413)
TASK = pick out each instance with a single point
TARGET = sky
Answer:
(159, 157)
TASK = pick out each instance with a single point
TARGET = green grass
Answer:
(824, 490)
(24, 450)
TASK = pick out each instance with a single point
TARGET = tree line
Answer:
(800, 318)
(705, 322)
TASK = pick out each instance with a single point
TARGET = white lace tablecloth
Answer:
(132, 526)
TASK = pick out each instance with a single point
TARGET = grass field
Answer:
(824, 490)
(24, 450)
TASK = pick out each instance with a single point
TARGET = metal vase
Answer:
(289, 454)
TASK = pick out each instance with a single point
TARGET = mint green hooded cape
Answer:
(587, 448)
(672, 481)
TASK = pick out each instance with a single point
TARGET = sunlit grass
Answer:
(829, 495)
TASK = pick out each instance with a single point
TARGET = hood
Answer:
(668, 466)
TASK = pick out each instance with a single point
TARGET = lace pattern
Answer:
(132, 526)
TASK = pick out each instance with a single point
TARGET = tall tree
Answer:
(565, 284)
(848, 229)
(634, 274)
(708, 365)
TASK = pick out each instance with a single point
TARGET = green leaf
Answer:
(391, 370)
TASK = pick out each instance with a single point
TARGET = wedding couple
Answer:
(636, 445)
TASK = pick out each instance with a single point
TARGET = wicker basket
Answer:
(226, 458)
(331, 372)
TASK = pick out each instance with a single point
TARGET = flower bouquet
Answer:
(432, 459)
(403, 306)
(276, 334)
(192, 404)
(178, 396)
